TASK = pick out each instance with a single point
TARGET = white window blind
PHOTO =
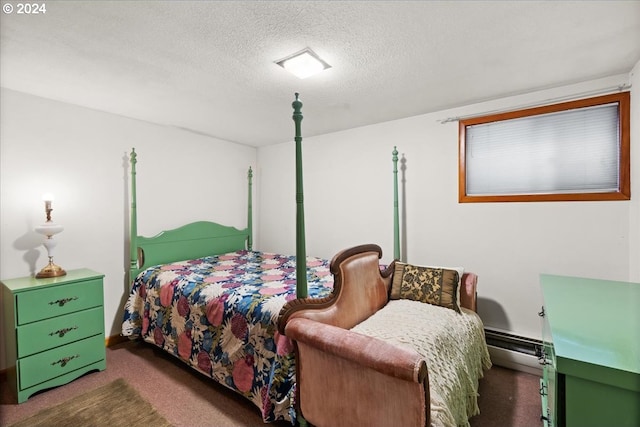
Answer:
(571, 151)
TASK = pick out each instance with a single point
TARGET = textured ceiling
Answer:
(208, 66)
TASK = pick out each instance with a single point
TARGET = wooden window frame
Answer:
(624, 180)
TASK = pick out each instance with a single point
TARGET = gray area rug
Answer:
(115, 404)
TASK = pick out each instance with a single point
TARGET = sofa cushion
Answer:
(452, 344)
(432, 285)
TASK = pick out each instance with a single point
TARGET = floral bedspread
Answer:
(218, 314)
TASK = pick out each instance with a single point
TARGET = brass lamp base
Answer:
(51, 270)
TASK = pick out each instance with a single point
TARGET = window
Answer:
(576, 150)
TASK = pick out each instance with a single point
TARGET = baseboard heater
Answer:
(514, 352)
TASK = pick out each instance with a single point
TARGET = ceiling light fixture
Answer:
(303, 64)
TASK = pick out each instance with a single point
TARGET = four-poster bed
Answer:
(203, 294)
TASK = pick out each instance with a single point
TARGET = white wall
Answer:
(634, 208)
(82, 156)
(349, 196)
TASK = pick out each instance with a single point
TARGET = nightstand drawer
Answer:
(51, 333)
(58, 300)
(41, 367)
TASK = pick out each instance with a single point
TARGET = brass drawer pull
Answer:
(543, 390)
(542, 359)
(61, 332)
(547, 418)
(63, 362)
(63, 301)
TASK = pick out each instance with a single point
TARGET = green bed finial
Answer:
(133, 226)
(250, 210)
(297, 115)
(396, 216)
(297, 105)
(301, 254)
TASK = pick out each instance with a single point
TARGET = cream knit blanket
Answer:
(453, 346)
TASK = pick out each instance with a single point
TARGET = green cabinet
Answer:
(53, 330)
(591, 352)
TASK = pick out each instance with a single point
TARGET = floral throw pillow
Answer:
(432, 285)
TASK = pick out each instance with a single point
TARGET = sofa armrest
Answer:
(401, 362)
(346, 379)
(468, 291)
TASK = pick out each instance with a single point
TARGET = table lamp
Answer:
(49, 229)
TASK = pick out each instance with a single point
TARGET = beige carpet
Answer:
(187, 398)
(115, 404)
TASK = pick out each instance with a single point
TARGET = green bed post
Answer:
(133, 226)
(301, 256)
(250, 211)
(396, 216)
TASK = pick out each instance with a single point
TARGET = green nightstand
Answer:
(591, 374)
(53, 330)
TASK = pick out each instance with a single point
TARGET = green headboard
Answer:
(189, 241)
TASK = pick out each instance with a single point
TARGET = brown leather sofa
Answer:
(348, 379)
